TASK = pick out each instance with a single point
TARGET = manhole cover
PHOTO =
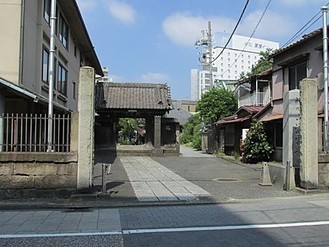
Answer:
(226, 179)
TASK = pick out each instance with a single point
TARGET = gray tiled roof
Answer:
(137, 96)
(179, 113)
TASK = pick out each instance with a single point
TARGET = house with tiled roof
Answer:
(253, 95)
(291, 64)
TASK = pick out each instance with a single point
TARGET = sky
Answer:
(153, 41)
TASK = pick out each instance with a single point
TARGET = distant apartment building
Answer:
(238, 57)
(25, 54)
(105, 77)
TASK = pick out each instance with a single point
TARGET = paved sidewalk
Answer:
(192, 178)
(153, 182)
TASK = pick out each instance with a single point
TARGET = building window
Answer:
(46, 10)
(63, 31)
(45, 66)
(297, 73)
(75, 50)
(74, 88)
(62, 79)
(278, 134)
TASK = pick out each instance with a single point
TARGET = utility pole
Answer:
(51, 77)
(206, 57)
(325, 78)
(210, 54)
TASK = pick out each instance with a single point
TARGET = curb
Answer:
(101, 203)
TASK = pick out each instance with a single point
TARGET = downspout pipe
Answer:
(51, 77)
(325, 78)
(22, 44)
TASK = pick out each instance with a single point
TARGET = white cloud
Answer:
(184, 28)
(154, 77)
(273, 26)
(121, 11)
(86, 4)
(116, 78)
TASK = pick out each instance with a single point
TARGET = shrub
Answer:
(256, 146)
(188, 133)
(197, 137)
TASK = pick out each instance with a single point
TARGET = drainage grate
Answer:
(226, 179)
(78, 210)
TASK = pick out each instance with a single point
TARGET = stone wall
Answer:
(38, 170)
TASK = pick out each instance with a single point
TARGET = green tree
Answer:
(256, 146)
(265, 62)
(216, 104)
(188, 132)
(127, 130)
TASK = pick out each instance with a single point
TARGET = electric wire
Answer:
(304, 28)
(252, 34)
(236, 26)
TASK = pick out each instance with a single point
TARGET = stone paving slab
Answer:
(152, 181)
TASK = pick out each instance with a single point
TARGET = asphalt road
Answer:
(297, 221)
(238, 212)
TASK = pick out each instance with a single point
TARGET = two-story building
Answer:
(25, 52)
(291, 64)
(253, 95)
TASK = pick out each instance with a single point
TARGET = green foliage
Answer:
(127, 131)
(217, 104)
(197, 137)
(189, 128)
(256, 146)
(264, 62)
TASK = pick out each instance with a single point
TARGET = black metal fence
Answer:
(28, 133)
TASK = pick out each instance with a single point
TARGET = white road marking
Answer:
(170, 230)
(225, 228)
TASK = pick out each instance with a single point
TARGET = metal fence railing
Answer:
(28, 132)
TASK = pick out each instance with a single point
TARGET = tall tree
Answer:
(265, 62)
(217, 104)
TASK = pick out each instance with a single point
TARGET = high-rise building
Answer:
(228, 65)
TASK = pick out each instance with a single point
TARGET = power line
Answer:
(236, 26)
(302, 28)
(252, 34)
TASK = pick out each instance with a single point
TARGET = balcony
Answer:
(256, 99)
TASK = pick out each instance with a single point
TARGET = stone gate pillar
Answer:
(309, 171)
(157, 131)
(86, 127)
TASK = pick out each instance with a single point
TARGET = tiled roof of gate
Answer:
(137, 96)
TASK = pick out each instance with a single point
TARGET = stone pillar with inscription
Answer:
(309, 171)
(86, 127)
